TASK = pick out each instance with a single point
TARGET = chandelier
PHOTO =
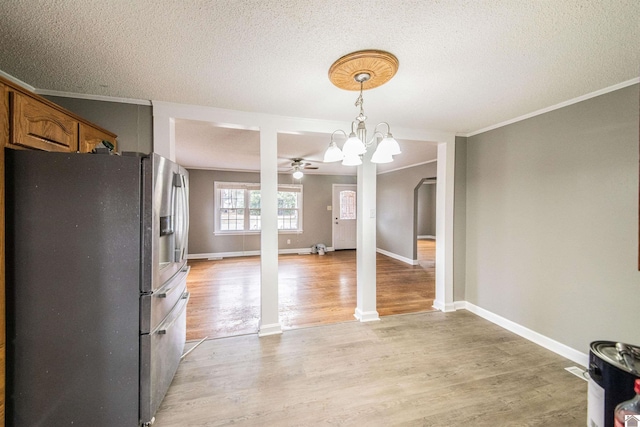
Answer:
(372, 68)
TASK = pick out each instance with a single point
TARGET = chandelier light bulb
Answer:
(384, 148)
(354, 146)
(379, 156)
(394, 147)
(333, 153)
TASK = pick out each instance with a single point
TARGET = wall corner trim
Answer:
(535, 337)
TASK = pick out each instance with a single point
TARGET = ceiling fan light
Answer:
(298, 174)
(354, 146)
(351, 160)
(380, 156)
(333, 154)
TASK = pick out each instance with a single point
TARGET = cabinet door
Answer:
(37, 125)
(90, 137)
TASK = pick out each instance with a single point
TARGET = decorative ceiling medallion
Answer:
(380, 65)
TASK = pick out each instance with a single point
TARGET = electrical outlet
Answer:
(329, 207)
(288, 241)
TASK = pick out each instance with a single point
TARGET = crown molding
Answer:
(408, 166)
(17, 81)
(92, 97)
(613, 88)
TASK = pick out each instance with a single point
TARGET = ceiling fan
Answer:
(298, 165)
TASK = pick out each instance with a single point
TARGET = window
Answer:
(237, 208)
(347, 204)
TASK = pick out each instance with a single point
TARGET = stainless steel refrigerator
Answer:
(96, 272)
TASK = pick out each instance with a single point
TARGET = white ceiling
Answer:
(464, 64)
(205, 146)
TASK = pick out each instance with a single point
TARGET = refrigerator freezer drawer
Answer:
(154, 308)
(160, 354)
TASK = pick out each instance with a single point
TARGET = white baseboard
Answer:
(220, 255)
(533, 336)
(427, 237)
(294, 251)
(398, 257)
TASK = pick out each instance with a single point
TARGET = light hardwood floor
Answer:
(313, 290)
(424, 369)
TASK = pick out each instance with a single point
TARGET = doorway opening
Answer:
(412, 286)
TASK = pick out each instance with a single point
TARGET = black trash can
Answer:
(613, 369)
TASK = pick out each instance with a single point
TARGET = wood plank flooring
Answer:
(424, 369)
(313, 290)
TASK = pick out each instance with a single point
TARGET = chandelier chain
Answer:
(360, 103)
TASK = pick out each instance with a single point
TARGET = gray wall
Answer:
(552, 221)
(316, 221)
(427, 210)
(460, 220)
(396, 226)
(131, 122)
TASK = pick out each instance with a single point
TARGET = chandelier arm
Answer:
(383, 123)
(373, 137)
(336, 131)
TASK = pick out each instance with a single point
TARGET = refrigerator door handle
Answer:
(165, 326)
(181, 210)
(170, 286)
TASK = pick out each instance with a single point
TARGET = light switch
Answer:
(329, 207)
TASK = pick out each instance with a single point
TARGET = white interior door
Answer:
(344, 216)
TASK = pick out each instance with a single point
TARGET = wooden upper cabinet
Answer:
(29, 121)
(90, 137)
(4, 117)
(37, 125)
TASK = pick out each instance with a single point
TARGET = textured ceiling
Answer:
(464, 64)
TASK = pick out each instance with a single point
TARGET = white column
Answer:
(366, 244)
(269, 318)
(444, 226)
(164, 136)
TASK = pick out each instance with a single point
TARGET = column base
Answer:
(444, 307)
(366, 316)
(271, 329)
